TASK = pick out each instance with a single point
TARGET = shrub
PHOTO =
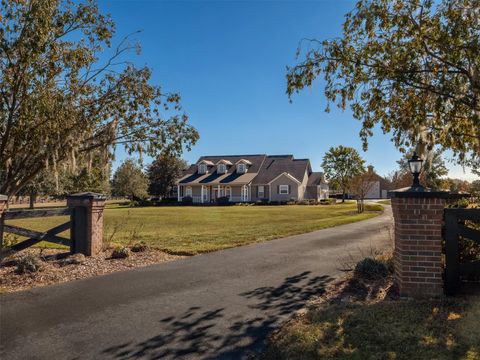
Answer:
(223, 200)
(120, 252)
(139, 246)
(369, 268)
(262, 202)
(274, 202)
(187, 200)
(28, 264)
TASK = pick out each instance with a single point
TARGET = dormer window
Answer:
(221, 168)
(241, 168)
(202, 169)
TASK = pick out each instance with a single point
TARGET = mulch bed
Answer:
(58, 267)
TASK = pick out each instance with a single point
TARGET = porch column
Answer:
(178, 193)
(218, 191)
(201, 194)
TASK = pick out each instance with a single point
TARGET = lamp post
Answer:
(415, 165)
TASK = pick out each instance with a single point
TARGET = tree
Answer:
(60, 101)
(341, 164)
(475, 187)
(413, 67)
(162, 174)
(130, 181)
(433, 168)
(360, 185)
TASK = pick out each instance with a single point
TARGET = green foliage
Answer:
(120, 252)
(341, 164)
(28, 263)
(369, 268)
(66, 92)
(433, 167)
(129, 180)
(409, 66)
(187, 200)
(163, 173)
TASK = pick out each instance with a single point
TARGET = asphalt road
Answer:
(214, 306)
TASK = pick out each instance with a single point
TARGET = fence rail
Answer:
(455, 231)
(34, 236)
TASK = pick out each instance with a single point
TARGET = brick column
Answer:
(3, 209)
(418, 216)
(87, 222)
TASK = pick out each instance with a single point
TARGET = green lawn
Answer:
(192, 229)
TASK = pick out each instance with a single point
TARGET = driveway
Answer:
(219, 305)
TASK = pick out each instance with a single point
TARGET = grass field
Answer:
(195, 229)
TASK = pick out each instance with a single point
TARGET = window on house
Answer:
(283, 189)
(261, 191)
(188, 191)
(202, 169)
(241, 168)
(221, 169)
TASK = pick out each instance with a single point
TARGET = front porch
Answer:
(206, 194)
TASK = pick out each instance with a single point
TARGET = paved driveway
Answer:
(218, 305)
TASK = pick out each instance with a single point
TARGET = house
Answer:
(379, 187)
(248, 178)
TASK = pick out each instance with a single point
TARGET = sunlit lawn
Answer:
(195, 229)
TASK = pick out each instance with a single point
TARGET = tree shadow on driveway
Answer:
(224, 332)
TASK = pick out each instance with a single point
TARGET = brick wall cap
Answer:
(3, 197)
(87, 195)
(419, 192)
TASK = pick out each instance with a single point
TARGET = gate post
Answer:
(86, 231)
(418, 217)
(3, 209)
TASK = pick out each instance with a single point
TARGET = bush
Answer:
(369, 268)
(223, 200)
(139, 247)
(120, 252)
(187, 200)
(262, 202)
(28, 264)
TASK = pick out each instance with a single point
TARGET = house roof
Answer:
(262, 169)
(275, 165)
(315, 178)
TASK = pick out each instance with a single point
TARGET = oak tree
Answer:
(65, 91)
(341, 165)
(411, 67)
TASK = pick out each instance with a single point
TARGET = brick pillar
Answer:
(87, 222)
(418, 217)
(3, 209)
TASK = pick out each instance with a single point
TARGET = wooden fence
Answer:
(33, 236)
(456, 230)
(85, 224)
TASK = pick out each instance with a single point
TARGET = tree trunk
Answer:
(343, 196)
(32, 199)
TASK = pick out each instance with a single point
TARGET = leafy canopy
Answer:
(129, 180)
(65, 91)
(163, 173)
(413, 67)
(341, 165)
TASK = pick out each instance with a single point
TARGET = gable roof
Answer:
(316, 178)
(276, 165)
(262, 169)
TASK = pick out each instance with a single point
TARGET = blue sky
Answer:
(228, 61)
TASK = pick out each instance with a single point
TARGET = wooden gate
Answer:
(34, 237)
(457, 229)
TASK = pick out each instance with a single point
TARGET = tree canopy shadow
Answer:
(217, 333)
